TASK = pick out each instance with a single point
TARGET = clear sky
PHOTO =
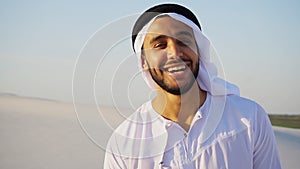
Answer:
(257, 42)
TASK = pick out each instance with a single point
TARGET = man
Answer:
(196, 120)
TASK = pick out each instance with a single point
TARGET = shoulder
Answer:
(143, 123)
(244, 105)
(242, 113)
(139, 129)
(126, 131)
(241, 102)
(136, 120)
(248, 111)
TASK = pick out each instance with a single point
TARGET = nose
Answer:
(174, 50)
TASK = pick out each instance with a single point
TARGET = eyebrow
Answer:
(158, 38)
(185, 33)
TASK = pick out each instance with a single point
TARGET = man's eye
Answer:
(160, 45)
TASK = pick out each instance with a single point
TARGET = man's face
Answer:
(170, 53)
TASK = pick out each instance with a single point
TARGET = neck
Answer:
(179, 108)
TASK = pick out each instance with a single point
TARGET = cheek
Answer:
(155, 59)
(193, 50)
(192, 54)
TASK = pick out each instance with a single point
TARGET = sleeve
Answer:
(265, 155)
(112, 160)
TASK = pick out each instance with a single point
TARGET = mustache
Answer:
(177, 61)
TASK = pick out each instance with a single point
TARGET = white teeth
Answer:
(176, 69)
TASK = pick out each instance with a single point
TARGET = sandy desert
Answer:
(39, 133)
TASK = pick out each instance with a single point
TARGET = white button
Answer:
(199, 116)
(168, 125)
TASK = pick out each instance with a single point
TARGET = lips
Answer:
(176, 68)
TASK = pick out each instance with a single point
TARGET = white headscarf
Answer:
(207, 79)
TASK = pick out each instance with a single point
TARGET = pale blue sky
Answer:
(257, 41)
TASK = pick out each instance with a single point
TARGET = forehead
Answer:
(166, 25)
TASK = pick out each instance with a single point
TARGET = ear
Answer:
(144, 63)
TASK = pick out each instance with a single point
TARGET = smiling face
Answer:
(170, 54)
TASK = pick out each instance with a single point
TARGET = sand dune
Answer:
(39, 133)
(43, 134)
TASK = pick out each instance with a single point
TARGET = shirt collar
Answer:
(200, 114)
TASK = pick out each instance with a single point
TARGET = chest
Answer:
(231, 150)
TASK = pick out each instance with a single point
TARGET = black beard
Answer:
(175, 91)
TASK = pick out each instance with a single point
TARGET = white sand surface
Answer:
(44, 134)
(288, 142)
(41, 134)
